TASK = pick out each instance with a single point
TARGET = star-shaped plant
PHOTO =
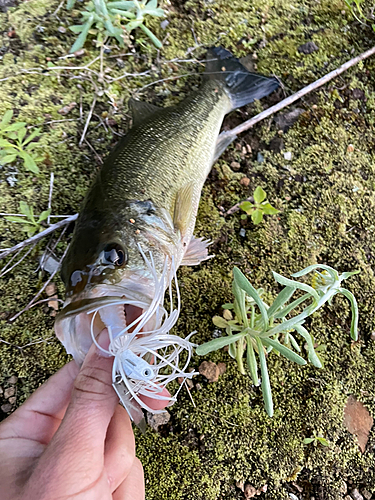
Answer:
(259, 328)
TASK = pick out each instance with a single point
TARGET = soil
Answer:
(317, 168)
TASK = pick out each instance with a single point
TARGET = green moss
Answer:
(326, 199)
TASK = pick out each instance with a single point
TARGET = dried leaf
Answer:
(358, 421)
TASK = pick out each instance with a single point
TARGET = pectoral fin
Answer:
(183, 208)
(196, 252)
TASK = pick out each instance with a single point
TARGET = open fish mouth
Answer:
(146, 356)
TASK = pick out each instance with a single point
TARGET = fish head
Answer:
(118, 264)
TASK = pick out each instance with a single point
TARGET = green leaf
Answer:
(244, 283)
(70, 4)
(266, 386)
(243, 216)
(227, 306)
(259, 195)
(313, 358)
(14, 218)
(32, 136)
(6, 118)
(21, 134)
(14, 126)
(269, 209)
(216, 344)
(246, 206)
(219, 322)
(78, 44)
(308, 440)
(251, 361)
(29, 163)
(257, 216)
(296, 284)
(285, 351)
(31, 230)
(127, 5)
(240, 299)
(133, 24)
(347, 275)
(26, 210)
(283, 297)
(44, 215)
(355, 314)
(5, 144)
(322, 441)
(152, 37)
(334, 274)
(7, 159)
(77, 28)
(294, 343)
(289, 308)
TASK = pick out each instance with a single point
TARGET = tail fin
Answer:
(241, 85)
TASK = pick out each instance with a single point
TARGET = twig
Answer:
(286, 102)
(6, 269)
(95, 152)
(38, 236)
(58, 8)
(50, 195)
(88, 121)
(236, 207)
(32, 301)
(289, 100)
(176, 77)
(188, 390)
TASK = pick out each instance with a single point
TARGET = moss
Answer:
(325, 195)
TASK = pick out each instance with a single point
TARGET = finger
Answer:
(156, 404)
(40, 416)
(83, 430)
(133, 488)
(119, 453)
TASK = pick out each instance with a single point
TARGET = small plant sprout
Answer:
(13, 143)
(254, 326)
(106, 19)
(316, 440)
(259, 208)
(29, 224)
(357, 8)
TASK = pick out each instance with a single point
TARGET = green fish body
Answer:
(136, 224)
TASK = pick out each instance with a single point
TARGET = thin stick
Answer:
(39, 236)
(6, 269)
(32, 301)
(50, 195)
(236, 207)
(88, 121)
(188, 390)
(289, 100)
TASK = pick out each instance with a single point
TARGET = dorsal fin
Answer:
(141, 111)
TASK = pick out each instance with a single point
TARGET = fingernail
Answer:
(103, 341)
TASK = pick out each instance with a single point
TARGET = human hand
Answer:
(71, 440)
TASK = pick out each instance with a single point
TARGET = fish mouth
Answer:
(146, 355)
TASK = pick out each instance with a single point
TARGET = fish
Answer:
(135, 229)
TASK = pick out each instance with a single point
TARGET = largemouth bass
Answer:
(136, 228)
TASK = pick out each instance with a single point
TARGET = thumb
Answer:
(93, 403)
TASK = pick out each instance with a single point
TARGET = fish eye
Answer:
(114, 254)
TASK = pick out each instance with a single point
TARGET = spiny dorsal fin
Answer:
(183, 208)
(141, 111)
